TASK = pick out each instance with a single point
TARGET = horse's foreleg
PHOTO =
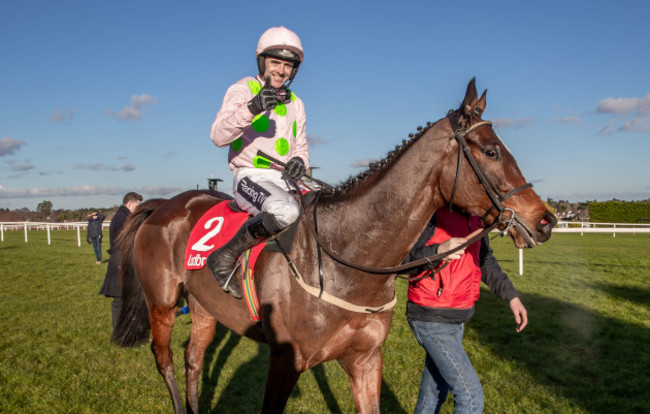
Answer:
(364, 371)
(280, 381)
(203, 327)
(162, 321)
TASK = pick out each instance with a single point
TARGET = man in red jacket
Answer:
(438, 307)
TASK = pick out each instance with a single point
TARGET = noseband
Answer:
(488, 184)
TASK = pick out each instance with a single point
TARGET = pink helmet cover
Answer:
(280, 38)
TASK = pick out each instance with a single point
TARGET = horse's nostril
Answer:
(547, 223)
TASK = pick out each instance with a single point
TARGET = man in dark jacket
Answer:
(439, 305)
(94, 234)
(111, 286)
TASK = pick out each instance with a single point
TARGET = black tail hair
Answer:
(133, 324)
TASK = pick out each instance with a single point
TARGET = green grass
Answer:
(585, 349)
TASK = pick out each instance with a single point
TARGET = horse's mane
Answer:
(380, 165)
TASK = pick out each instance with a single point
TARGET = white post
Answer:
(78, 235)
(49, 240)
(25, 232)
(2, 231)
(614, 232)
(582, 228)
(521, 262)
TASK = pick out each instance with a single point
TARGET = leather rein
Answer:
(488, 185)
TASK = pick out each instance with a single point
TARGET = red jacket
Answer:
(449, 296)
(458, 284)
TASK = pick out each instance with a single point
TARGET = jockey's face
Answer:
(278, 69)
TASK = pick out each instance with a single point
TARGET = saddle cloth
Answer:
(213, 230)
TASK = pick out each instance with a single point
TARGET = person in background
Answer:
(112, 287)
(94, 233)
(439, 305)
(262, 113)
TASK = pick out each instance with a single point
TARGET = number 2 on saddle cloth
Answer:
(213, 230)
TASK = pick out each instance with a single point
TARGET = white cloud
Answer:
(14, 166)
(362, 162)
(84, 190)
(625, 105)
(9, 145)
(61, 115)
(569, 120)
(637, 125)
(632, 113)
(103, 167)
(316, 140)
(512, 123)
(135, 110)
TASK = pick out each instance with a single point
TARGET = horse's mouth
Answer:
(525, 237)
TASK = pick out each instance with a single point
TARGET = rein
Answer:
(396, 269)
(489, 187)
(486, 182)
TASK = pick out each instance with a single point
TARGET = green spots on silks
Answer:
(293, 97)
(282, 146)
(236, 144)
(295, 128)
(254, 86)
(261, 162)
(280, 109)
(260, 123)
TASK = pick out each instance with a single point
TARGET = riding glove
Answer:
(295, 168)
(266, 99)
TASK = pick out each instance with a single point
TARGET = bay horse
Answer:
(372, 221)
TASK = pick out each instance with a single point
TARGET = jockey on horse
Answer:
(262, 113)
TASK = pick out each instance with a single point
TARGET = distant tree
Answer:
(44, 209)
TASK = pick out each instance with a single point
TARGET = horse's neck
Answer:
(377, 222)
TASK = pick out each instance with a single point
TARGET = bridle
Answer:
(488, 184)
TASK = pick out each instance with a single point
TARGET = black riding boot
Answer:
(222, 261)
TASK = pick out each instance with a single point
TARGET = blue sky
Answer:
(101, 98)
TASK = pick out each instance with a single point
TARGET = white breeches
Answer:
(259, 190)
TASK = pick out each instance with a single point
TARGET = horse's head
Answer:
(485, 166)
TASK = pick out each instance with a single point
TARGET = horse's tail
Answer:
(133, 324)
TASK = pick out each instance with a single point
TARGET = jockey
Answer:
(262, 113)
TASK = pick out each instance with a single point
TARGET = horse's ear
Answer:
(470, 98)
(480, 105)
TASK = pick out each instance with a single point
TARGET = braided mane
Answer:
(376, 166)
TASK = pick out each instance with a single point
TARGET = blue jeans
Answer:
(447, 368)
(97, 247)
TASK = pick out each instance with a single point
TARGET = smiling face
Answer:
(278, 69)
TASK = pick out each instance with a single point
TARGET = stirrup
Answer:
(230, 276)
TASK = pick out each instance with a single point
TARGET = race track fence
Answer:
(562, 227)
(27, 226)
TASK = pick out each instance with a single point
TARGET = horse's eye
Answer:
(492, 153)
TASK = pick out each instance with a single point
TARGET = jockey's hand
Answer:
(452, 244)
(295, 168)
(284, 94)
(266, 99)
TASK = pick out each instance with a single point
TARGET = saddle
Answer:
(218, 225)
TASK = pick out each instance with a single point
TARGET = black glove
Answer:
(266, 99)
(295, 168)
(284, 94)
